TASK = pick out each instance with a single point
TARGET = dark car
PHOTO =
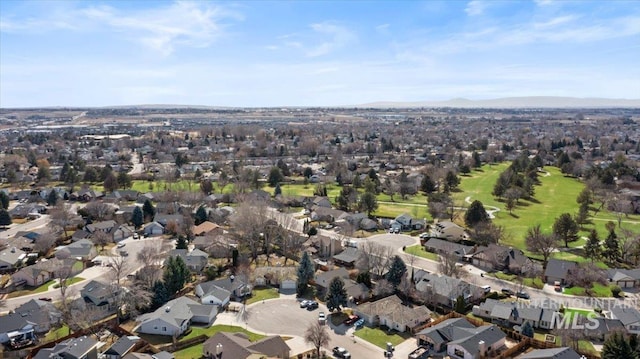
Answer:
(312, 305)
(523, 295)
(507, 291)
(342, 353)
(351, 319)
(46, 299)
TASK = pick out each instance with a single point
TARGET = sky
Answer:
(313, 53)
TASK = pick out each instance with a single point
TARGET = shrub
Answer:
(616, 290)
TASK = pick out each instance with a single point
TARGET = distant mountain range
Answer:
(514, 102)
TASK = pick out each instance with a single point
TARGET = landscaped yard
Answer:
(262, 294)
(195, 351)
(43, 288)
(70, 281)
(418, 250)
(56, 333)
(598, 290)
(379, 337)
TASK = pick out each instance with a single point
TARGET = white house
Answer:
(212, 294)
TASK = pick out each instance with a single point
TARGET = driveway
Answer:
(284, 316)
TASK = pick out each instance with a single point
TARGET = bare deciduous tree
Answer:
(317, 335)
(61, 216)
(383, 287)
(249, 220)
(448, 264)
(99, 211)
(101, 239)
(541, 243)
(45, 242)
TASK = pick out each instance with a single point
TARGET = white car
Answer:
(120, 245)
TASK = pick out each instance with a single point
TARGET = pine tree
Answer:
(475, 214)
(566, 228)
(5, 218)
(460, 306)
(592, 248)
(182, 243)
(52, 198)
(137, 218)
(277, 191)
(201, 215)
(4, 200)
(175, 274)
(527, 330)
(337, 296)
(427, 185)
(160, 294)
(148, 210)
(305, 273)
(396, 272)
(617, 347)
(611, 247)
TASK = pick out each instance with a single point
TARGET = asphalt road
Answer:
(284, 316)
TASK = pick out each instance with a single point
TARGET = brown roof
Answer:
(204, 227)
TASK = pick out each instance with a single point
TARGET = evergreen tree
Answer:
(452, 180)
(110, 183)
(201, 215)
(364, 278)
(4, 200)
(396, 272)
(52, 198)
(275, 176)
(617, 347)
(336, 296)
(124, 180)
(277, 191)
(460, 306)
(175, 274)
(368, 203)
(427, 185)
(160, 294)
(305, 273)
(527, 329)
(5, 218)
(611, 247)
(477, 163)
(475, 214)
(566, 228)
(148, 210)
(137, 218)
(592, 248)
(182, 243)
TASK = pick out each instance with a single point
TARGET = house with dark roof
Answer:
(500, 258)
(75, 348)
(104, 226)
(34, 316)
(195, 260)
(628, 316)
(160, 355)
(437, 245)
(41, 272)
(444, 290)
(323, 279)
(551, 353)
(10, 258)
(347, 257)
(153, 229)
(121, 347)
(462, 339)
(83, 250)
(393, 313)
(508, 314)
(175, 317)
(101, 296)
(237, 346)
(210, 293)
(624, 278)
(232, 284)
(164, 219)
(557, 271)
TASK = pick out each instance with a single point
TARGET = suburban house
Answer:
(104, 226)
(100, 296)
(165, 219)
(449, 231)
(500, 258)
(323, 279)
(153, 229)
(27, 210)
(82, 250)
(444, 290)
(34, 316)
(360, 221)
(391, 312)
(205, 228)
(121, 347)
(237, 346)
(161, 355)
(232, 284)
(551, 353)
(75, 348)
(623, 278)
(437, 245)
(320, 201)
(209, 293)
(122, 232)
(41, 272)
(347, 257)
(509, 314)
(325, 246)
(217, 245)
(628, 316)
(557, 270)
(86, 195)
(195, 260)
(10, 258)
(283, 277)
(462, 339)
(324, 214)
(405, 222)
(175, 317)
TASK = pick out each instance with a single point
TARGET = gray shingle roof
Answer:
(553, 353)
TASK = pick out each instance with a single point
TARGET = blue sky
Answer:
(313, 53)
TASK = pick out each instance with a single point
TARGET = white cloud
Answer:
(555, 21)
(336, 37)
(383, 29)
(475, 8)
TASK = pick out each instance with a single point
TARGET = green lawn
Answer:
(598, 290)
(262, 294)
(192, 352)
(418, 250)
(379, 337)
(43, 288)
(70, 281)
(56, 333)
(534, 282)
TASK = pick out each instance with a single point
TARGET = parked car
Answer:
(312, 305)
(486, 288)
(136, 236)
(424, 235)
(322, 319)
(351, 320)
(507, 291)
(120, 245)
(304, 303)
(557, 287)
(342, 353)
(46, 299)
(523, 295)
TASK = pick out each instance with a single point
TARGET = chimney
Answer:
(231, 278)
(13, 249)
(219, 349)
(167, 309)
(482, 348)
